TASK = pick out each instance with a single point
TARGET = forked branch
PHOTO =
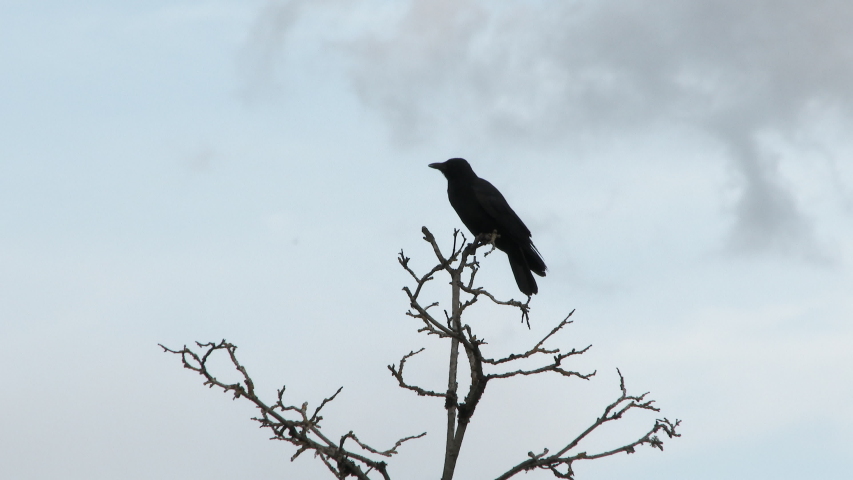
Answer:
(348, 456)
(560, 463)
(291, 423)
(462, 267)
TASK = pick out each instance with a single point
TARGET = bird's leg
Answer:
(525, 309)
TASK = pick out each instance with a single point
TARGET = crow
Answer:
(483, 209)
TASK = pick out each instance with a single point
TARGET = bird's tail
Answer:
(534, 259)
(521, 270)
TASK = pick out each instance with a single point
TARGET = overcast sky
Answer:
(198, 170)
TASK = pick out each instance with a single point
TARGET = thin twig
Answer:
(398, 374)
(612, 412)
(290, 423)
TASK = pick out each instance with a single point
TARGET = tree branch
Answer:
(398, 374)
(301, 427)
(459, 414)
(291, 423)
(538, 347)
(612, 412)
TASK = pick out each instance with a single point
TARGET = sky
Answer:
(199, 170)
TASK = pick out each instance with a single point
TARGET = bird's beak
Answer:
(437, 166)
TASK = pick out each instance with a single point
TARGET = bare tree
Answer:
(347, 456)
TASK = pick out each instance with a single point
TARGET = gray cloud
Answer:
(538, 71)
(260, 58)
(766, 215)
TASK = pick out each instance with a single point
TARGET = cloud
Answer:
(572, 64)
(260, 57)
(537, 72)
(766, 215)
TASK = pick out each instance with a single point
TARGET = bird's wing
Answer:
(496, 206)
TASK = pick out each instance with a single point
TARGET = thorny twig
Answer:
(462, 259)
(294, 424)
(612, 412)
(398, 374)
(291, 423)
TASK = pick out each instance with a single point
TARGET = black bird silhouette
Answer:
(483, 209)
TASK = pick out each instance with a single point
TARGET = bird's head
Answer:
(454, 168)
